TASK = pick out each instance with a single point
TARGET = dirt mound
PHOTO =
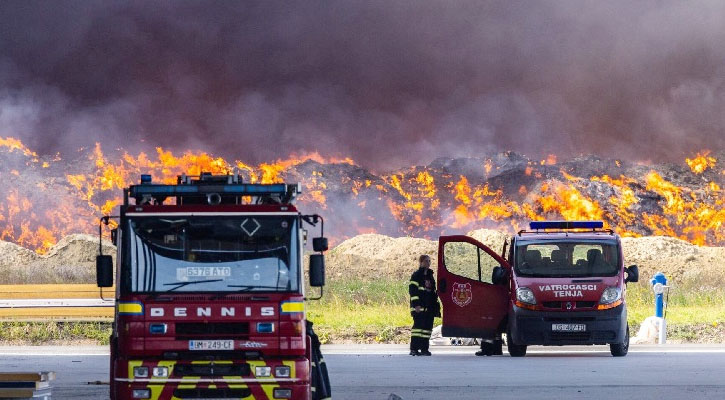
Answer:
(374, 256)
(12, 254)
(71, 260)
(677, 259)
(77, 249)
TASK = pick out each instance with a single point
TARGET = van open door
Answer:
(473, 306)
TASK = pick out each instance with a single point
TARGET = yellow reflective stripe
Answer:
(414, 283)
(130, 308)
(293, 306)
(414, 298)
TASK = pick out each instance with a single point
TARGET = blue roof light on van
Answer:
(537, 225)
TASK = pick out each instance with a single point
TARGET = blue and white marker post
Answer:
(659, 284)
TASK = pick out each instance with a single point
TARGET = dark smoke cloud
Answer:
(388, 83)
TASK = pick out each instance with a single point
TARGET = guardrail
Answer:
(79, 302)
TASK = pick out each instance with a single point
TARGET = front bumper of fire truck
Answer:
(189, 380)
(530, 327)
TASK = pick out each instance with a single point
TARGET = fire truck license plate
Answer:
(568, 327)
(211, 345)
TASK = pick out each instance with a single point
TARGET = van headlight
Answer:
(525, 295)
(610, 295)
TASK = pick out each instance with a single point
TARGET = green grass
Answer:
(378, 311)
(51, 332)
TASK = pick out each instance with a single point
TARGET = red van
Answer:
(558, 283)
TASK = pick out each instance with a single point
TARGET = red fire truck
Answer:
(559, 283)
(210, 291)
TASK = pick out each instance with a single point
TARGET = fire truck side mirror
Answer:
(632, 274)
(104, 271)
(499, 276)
(317, 270)
(114, 236)
(319, 244)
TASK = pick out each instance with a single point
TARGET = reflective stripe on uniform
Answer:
(414, 283)
(413, 298)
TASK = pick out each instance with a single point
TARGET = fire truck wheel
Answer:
(515, 350)
(620, 349)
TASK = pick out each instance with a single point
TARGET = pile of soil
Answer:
(71, 260)
(368, 257)
(377, 256)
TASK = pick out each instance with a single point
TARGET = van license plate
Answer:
(568, 327)
(211, 345)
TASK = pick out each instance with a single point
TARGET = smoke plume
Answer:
(386, 83)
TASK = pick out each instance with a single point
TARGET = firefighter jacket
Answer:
(422, 290)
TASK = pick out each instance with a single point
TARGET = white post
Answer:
(663, 331)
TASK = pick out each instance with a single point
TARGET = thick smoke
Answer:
(386, 83)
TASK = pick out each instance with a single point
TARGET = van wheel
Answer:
(620, 349)
(515, 350)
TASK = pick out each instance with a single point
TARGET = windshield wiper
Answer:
(247, 287)
(182, 284)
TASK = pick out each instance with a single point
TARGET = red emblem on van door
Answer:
(462, 294)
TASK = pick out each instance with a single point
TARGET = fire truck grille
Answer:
(585, 304)
(551, 304)
(212, 370)
(212, 393)
(185, 331)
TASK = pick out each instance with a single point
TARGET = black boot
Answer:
(425, 353)
(414, 353)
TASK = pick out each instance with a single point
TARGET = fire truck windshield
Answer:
(211, 254)
(591, 258)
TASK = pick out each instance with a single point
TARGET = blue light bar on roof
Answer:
(536, 225)
(239, 189)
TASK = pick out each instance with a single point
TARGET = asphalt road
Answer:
(376, 372)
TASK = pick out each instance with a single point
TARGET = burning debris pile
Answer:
(47, 198)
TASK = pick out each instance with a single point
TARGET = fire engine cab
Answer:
(210, 291)
(558, 283)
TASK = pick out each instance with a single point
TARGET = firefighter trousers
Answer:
(422, 328)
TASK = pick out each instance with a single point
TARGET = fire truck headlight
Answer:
(282, 393)
(161, 372)
(282, 372)
(262, 372)
(610, 295)
(140, 372)
(141, 394)
(525, 295)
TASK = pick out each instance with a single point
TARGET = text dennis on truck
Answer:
(559, 283)
(210, 291)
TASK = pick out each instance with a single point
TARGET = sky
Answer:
(387, 83)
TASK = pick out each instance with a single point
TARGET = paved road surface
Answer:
(375, 372)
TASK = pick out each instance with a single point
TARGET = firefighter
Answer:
(424, 307)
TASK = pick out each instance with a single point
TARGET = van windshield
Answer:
(565, 259)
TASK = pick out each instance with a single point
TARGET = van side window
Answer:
(467, 260)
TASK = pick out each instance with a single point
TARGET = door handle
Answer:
(442, 285)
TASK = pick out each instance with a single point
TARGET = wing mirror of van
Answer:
(632, 274)
(500, 276)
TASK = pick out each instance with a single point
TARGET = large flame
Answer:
(47, 198)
